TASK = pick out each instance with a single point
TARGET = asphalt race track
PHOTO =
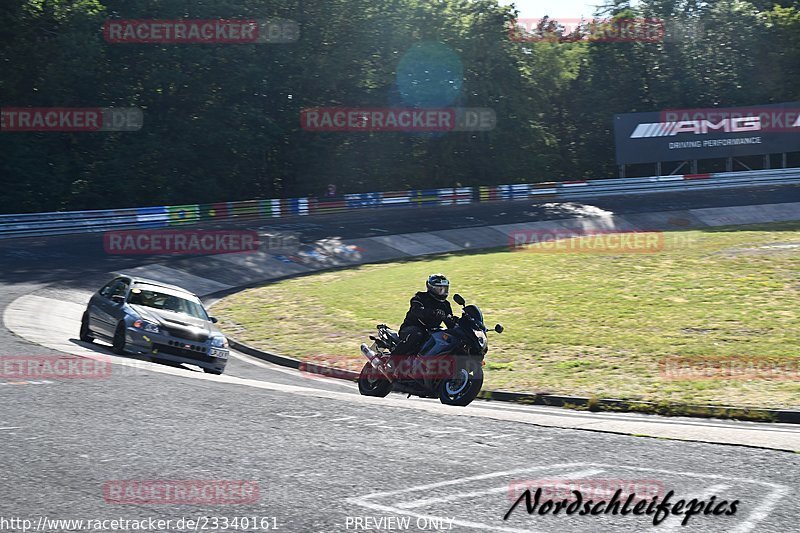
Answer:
(323, 458)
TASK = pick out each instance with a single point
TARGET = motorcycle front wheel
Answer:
(463, 386)
(371, 383)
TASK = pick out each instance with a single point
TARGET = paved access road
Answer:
(324, 459)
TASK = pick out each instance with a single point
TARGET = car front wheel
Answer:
(118, 346)
(86, 333)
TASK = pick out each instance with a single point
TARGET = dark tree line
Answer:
(222, 120)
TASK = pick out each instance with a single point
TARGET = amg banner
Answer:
(685, 134)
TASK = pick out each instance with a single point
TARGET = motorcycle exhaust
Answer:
(371, 356)
(374, 360)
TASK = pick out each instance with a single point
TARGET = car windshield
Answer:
(166, 302)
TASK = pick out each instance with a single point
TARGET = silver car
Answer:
(165, 322)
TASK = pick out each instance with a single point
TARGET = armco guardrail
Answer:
(608, 187)
(70, 222)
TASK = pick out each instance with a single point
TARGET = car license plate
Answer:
(222, 354)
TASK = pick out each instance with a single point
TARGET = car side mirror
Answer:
(458, 299)
(213, 319)
(118, 298)
(498, 328)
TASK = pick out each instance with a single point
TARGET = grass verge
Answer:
(586, 324)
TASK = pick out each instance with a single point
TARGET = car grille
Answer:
(187, 334)
(197, 353)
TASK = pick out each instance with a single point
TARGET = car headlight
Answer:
(219, 342)
(146, 326)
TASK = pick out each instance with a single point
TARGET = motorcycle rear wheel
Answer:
(463, 387)
(371, 385)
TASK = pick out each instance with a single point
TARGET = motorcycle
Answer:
(449, 365)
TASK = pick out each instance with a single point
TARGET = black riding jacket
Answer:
(423, 311)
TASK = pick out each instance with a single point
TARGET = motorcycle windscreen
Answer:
(474, 312)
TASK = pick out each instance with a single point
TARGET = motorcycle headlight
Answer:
(481, 338)
(219, 342)
(146, 326)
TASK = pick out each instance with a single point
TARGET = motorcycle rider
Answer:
(428, 310)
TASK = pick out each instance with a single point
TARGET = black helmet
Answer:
(438, 286)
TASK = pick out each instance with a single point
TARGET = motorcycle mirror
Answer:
(458, 299)
(498, 328)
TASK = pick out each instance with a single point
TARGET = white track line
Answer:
(762, 511)
(289, 371)
(739, 424)
(580, 474)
